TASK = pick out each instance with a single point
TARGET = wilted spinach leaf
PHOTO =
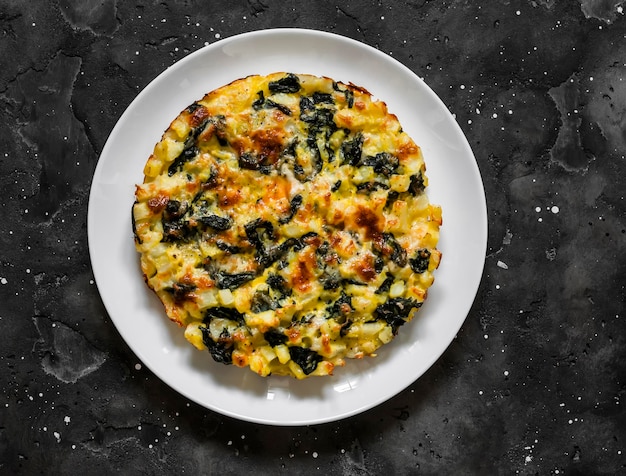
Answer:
(307, 359)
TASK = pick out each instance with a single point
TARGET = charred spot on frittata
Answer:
(283, 222)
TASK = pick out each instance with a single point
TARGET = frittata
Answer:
(283, 223)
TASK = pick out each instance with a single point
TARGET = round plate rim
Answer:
(92, 222)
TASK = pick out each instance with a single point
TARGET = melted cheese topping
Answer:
(283, 222)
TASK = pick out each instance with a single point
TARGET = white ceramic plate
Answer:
(455, 184)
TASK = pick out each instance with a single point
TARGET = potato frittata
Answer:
(283, 222)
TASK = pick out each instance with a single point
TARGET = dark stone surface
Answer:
(534, 382)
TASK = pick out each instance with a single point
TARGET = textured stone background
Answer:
(534, 382)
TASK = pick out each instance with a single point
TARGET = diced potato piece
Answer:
(369, 347)
(180, 127)
(141, 211)
(226, 297)
(148, 268)
(397, 289)
(268, 353)
(399, 183)
(324, 368)
(296, 370)
(240, 359)
(163, 264)
(263, 320)
(168, 149)
(259, 365)
(370, 329)
(365, 303)
(426, 279)
(435, 214)
(282, 352)
(336, 349)
(194, 335)
(386, 335)
(153, 167)
(206, 298)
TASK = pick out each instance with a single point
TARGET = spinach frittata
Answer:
(283, 222)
